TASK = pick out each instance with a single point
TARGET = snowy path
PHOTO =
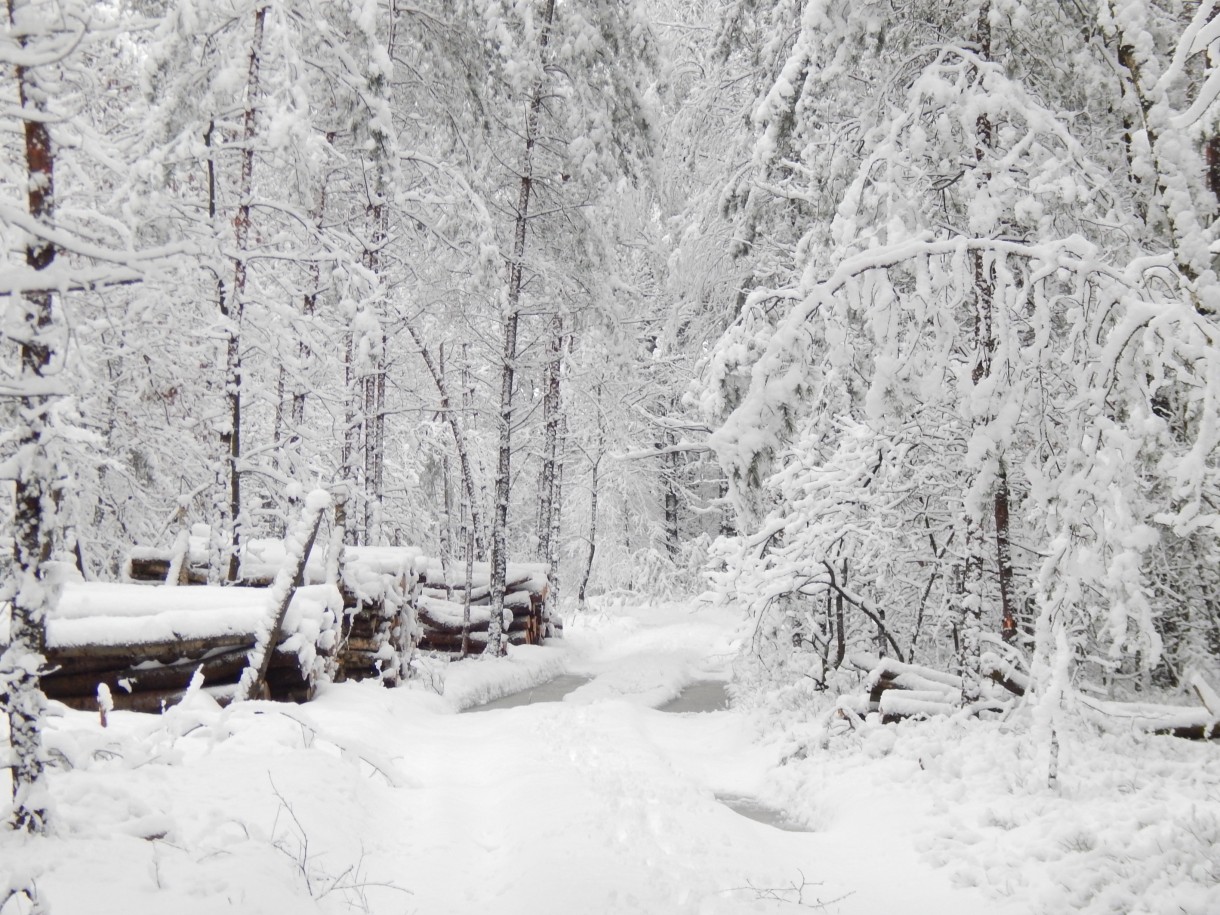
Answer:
(387, 801)
(602, 804)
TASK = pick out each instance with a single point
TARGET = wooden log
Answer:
(444, 641)
(362, 644)
(219, 668)
(1208, 696)
(900, 704)
(368, 623)
(1194, 731)
(1191, 722)
(149, 701)
(153, 569)
(148, 568)
(1012, 680)
(518, 624)
(519, 601)
(167, 652)
(154, 700)
(287, 678)
(891, 668)
(433, 620)
(900, 691)
(363, 665)
(223, 667)
(480, 589)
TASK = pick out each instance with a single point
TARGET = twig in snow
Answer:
(792, 894)
(349, 882)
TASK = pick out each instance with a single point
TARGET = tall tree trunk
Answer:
(469, 580)
(353, 439)
(218, 519)
(669, 477)
(35, 491)
(374, 449)
(984, 346)
(297, 387)
(550, 495)
(1003, 553)
(582, 600)
(377, 210)
(516, 272)
(372, 384)
(840, 634)
(727, 526)
(445, 527)
(466, 529)
(552, 555)
(550, 425)
(234, 305)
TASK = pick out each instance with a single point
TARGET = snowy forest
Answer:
(860, 356)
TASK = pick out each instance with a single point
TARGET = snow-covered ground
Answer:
(391, 801)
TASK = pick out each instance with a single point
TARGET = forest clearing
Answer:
(854, 362)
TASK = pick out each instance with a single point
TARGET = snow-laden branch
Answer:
(777, 374)
(64, 277)
(676, 448)
(71, 244)
(38, 386)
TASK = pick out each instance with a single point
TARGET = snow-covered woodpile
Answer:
(442, 601)
(373, 623)
(145, 642)
(144, 638)
(895, 691)
(378, 629)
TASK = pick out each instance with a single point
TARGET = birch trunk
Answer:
(552, 555)
(353, 438)
(499, 527)
(550, 425)
(670, 479)
(582, 599)
(550, 494)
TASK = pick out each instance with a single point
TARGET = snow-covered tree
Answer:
(904, 414)
(62, 252)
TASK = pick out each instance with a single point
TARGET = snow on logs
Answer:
(390, 601)
(378, 630)
(144, 643)
(440, 606)
(896, 690)
(374, 626)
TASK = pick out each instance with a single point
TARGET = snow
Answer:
(387, 801)
(99, 613)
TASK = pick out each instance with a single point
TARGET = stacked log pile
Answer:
(896, 691)
(379, 629)
(149, 678)
(376, 627)
(390, 601)
(145, 644)
(441, 603)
